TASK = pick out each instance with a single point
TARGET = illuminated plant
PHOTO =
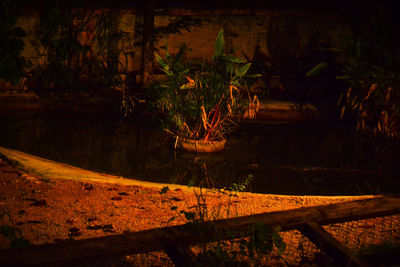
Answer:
(200, 101)
(372, 60)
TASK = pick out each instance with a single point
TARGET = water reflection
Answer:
(285, 159)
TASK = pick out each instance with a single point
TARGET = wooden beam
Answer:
(189, 234)
(330, 245)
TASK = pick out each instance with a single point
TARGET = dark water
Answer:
(307, 159)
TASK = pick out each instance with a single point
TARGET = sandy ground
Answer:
(48, 210)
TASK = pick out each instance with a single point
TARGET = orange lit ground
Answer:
(48, 210)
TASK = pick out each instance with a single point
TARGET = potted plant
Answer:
(199, 102)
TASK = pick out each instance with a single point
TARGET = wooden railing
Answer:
(175, 240)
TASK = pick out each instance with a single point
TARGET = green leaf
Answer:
(232, 59)
(219, 45)
(235, 83)
(163, 85)
(342, 112)
(185, 86)
(160, 61)
(166, 47)
(243, 69)
(317, 69)
(254, 75)
(343, 77)
(184, 71)
(167, 71)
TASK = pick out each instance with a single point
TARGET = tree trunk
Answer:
(148, 45)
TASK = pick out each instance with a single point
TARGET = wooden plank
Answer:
(188, 234)
(329, 244)
(182, 256)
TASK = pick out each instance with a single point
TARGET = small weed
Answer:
(260, 242)
(164, 190)
(241, 187)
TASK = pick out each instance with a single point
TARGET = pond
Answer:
(296, 159)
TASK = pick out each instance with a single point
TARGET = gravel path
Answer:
(47, 210)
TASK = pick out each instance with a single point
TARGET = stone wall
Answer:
(289, 33)
(267, 36)
(244, 33)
